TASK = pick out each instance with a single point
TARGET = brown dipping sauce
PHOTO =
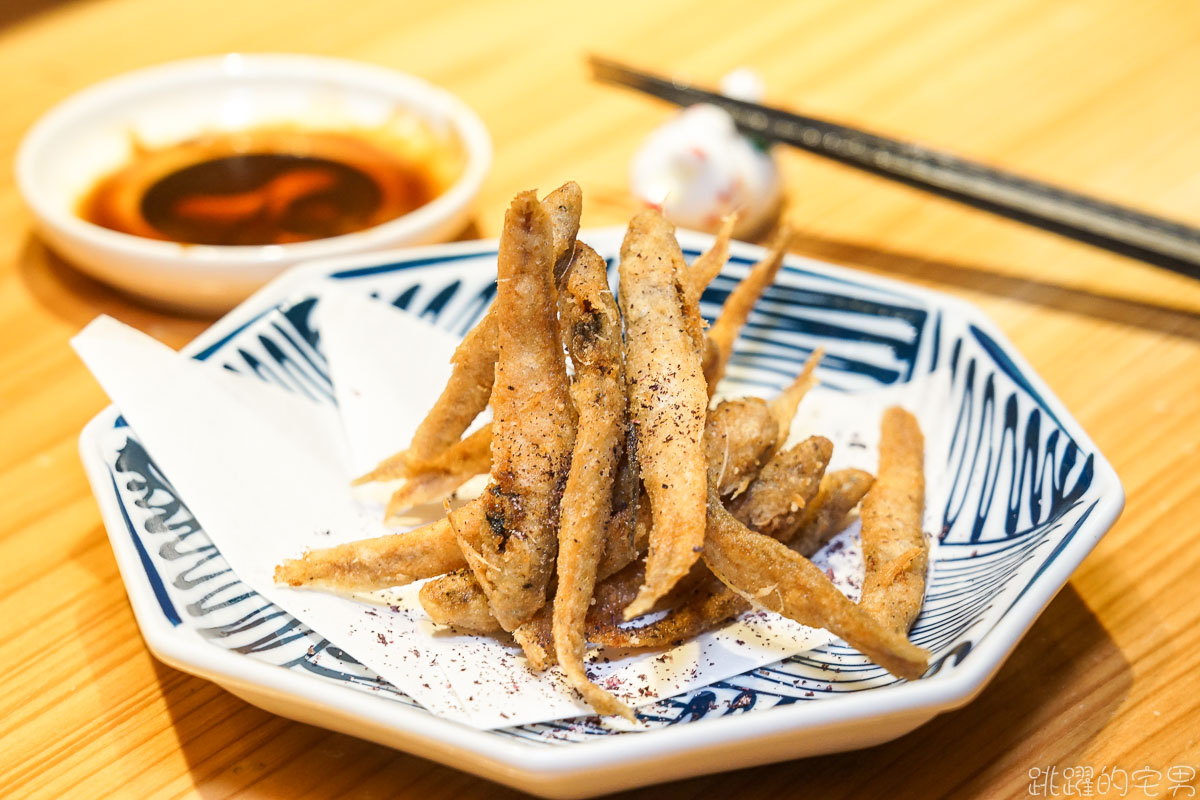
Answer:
(269, 186)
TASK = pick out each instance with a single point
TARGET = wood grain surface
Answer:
(1100, 95)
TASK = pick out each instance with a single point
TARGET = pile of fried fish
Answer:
(615, 490)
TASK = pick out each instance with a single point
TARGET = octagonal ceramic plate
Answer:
(1027, 497)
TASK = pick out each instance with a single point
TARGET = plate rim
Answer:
(514, 761)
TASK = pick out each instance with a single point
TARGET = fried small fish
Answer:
(894, 545)
(384, 561)
(512, 551)
(775, 500)
(739, 436)
(592, 330)
(474, 362)
(827, 513)
(769, 575)
(737, 307)
(667, 402)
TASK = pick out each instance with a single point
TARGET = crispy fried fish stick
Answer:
(707, 606)
(737, 307)
(438, 478)
(428, 487)
(605, 615)
(611, 597)
(465, 396)
(384, 561)
(710, 263)
(707, 603)
(739, 436)
(894, 546)
(710, 606)
(618, 579)
(712, 603)
(694, 279)
(770, 575)
(621, 544)
(457, 603)
(627, 537)
(774, 502)
(470, 385)
(512, 552)
(826, 515)
(438, 537)
(472, 454)
(456, 600)
(667, 401)
(784, 404)
(744, 428)
(564, 205)
(592, 328)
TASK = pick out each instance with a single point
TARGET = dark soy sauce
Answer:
(239, 191)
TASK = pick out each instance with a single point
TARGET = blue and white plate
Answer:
(1028, 497)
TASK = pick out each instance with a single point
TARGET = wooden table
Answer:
(1096, 94)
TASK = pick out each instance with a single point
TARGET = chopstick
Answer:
(1113, 227)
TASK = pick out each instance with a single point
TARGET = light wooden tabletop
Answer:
(1099, 95)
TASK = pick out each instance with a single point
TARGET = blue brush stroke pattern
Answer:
(152, 575)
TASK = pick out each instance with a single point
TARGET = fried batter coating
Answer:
(894, 545)
(694, 279)
(710, 263)
(770, 575)
(621, 538)
(826, 515)
(470, 455)
(667, 401)
(627, 538)
(592, 328)
(737, 307)
(512, 551)
(457, 601)
(428, 487)
(470, 385)
(712, 603)
(391, 468)
(707, 607)
(384, 561)
(775, 501)
(739, 436)
(564, 205)
(459, 609)
(609, 600)
(436, 479)
(565, 489)
(784, 404)
(604, 617)
(465, 396)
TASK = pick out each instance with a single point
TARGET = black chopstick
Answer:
(1119, 229)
